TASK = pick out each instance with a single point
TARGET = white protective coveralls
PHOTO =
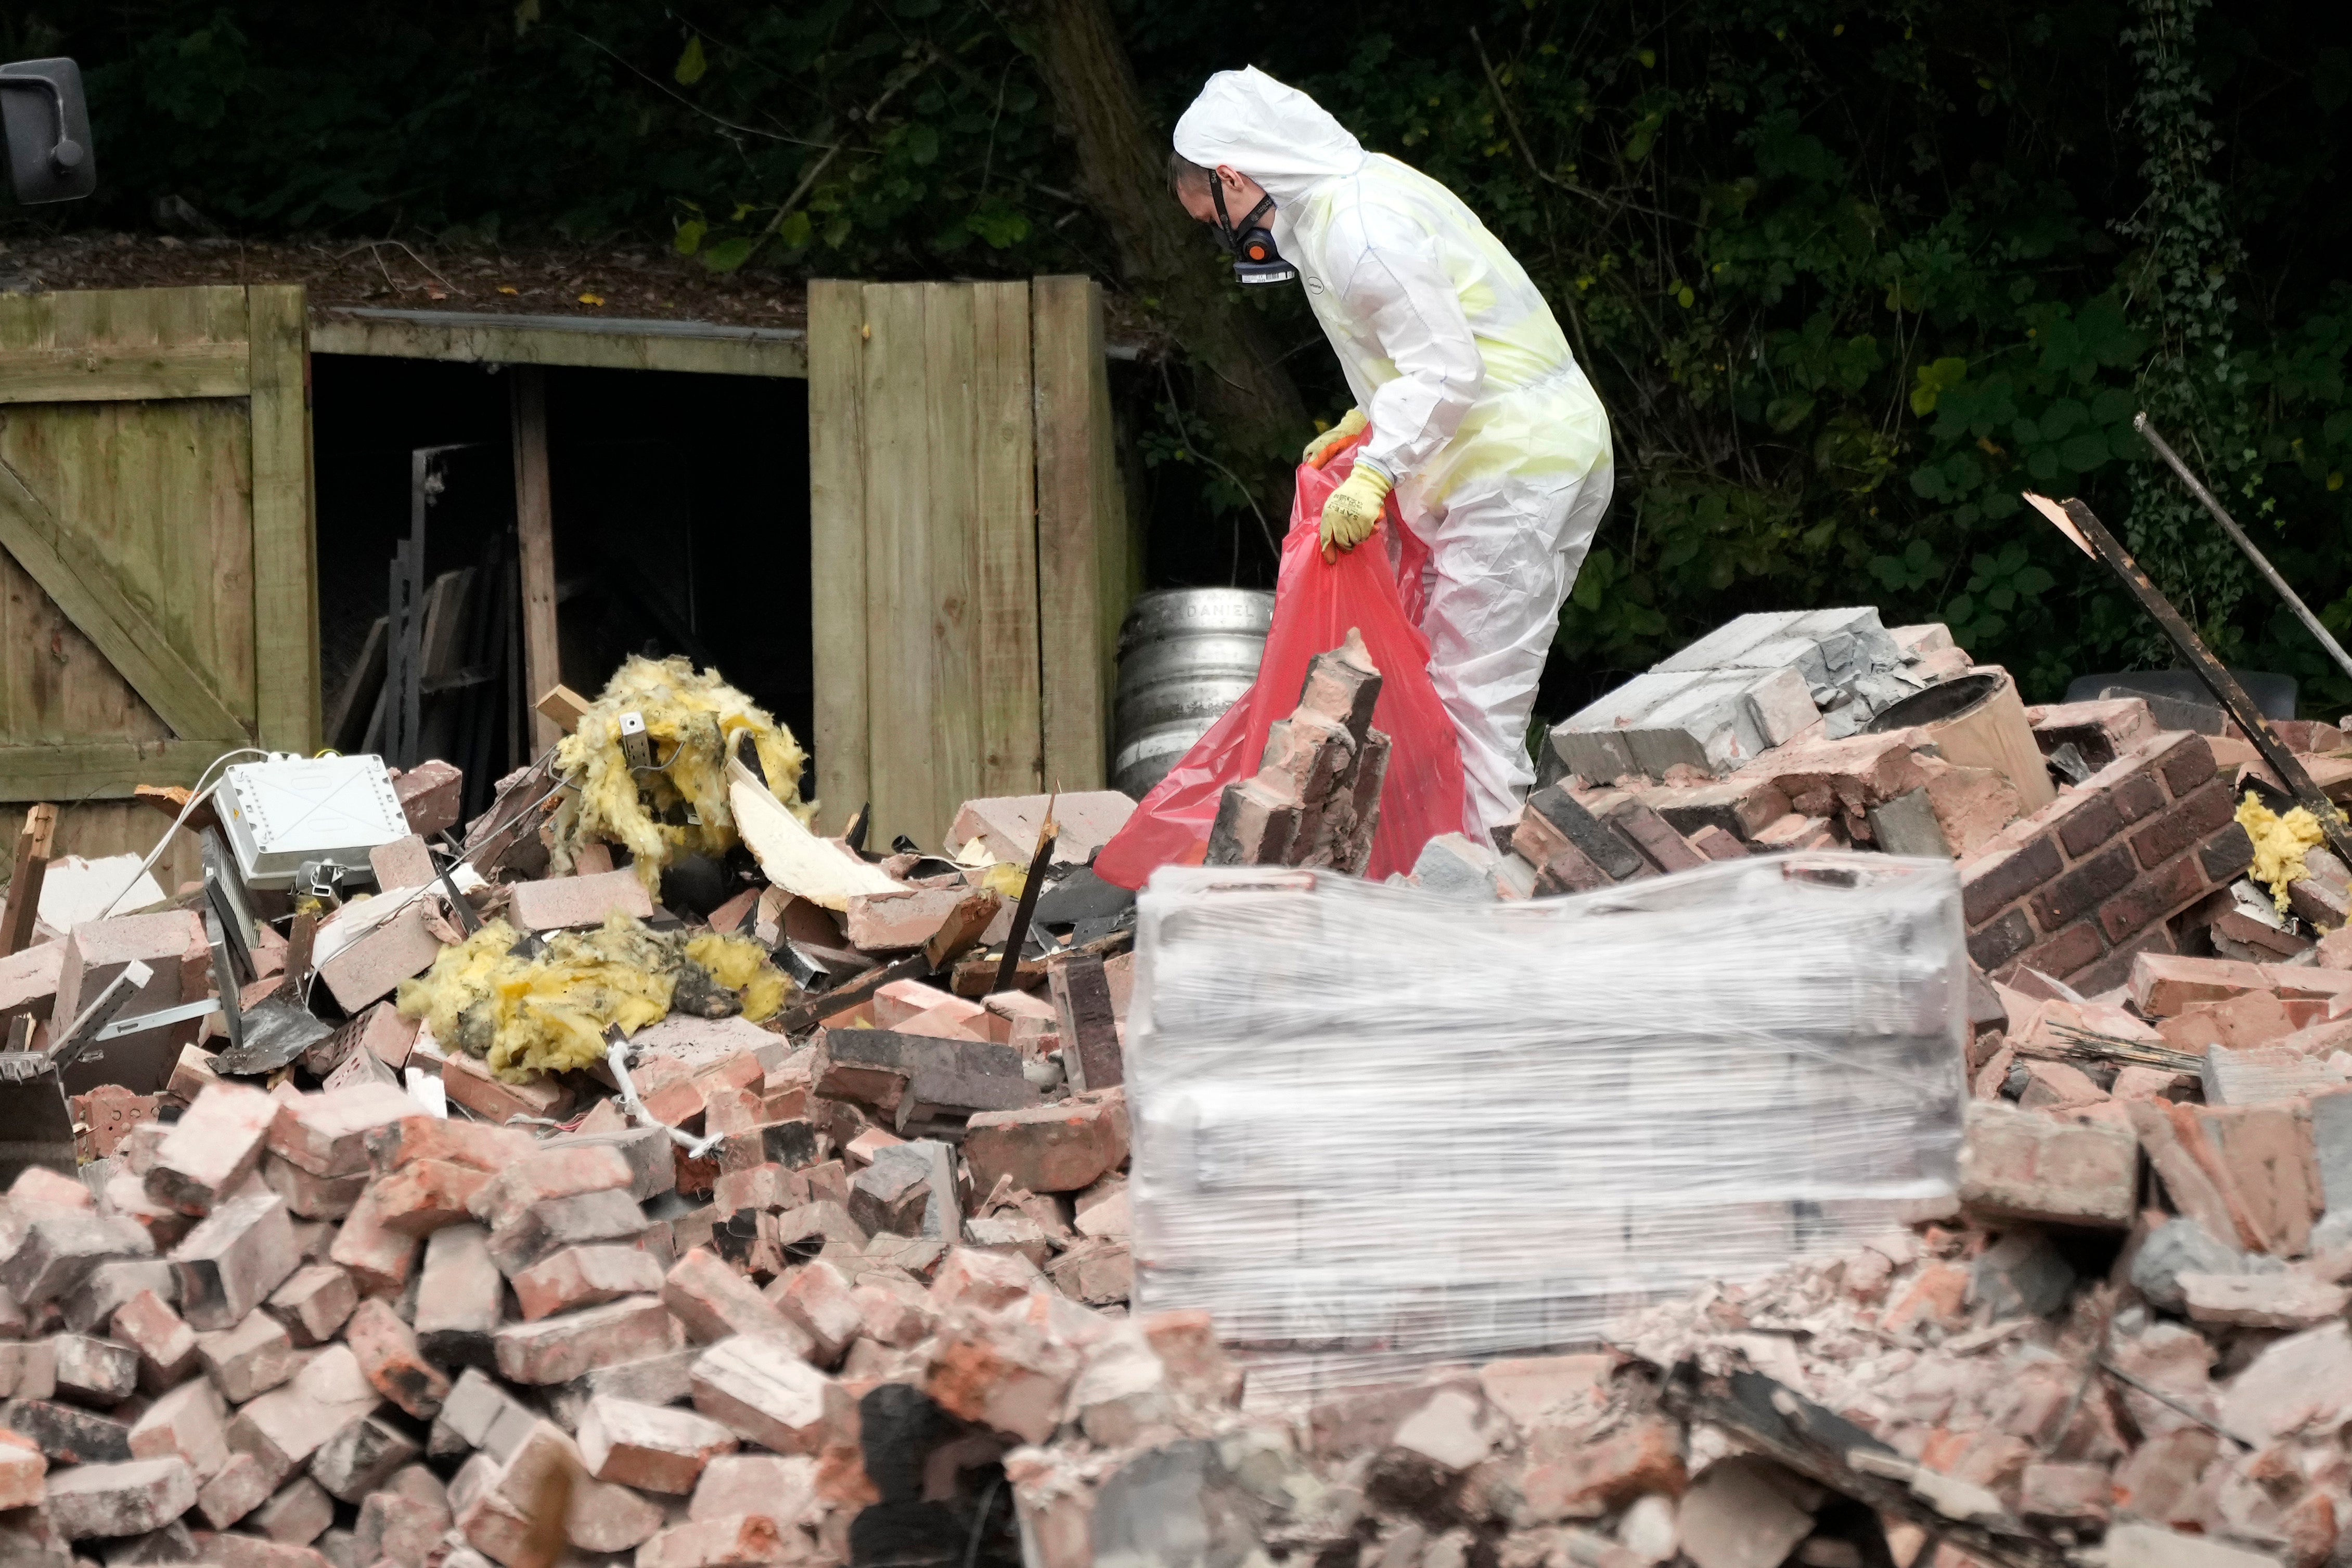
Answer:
(1497, 447)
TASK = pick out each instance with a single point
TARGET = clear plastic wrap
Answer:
(1375, 1129)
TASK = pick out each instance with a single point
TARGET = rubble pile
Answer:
(735, 1193)
(1736, 747)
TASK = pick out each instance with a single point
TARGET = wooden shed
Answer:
(163, 452)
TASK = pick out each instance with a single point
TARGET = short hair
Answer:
(1184, 173)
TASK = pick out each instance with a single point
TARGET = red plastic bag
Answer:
(1315, 605)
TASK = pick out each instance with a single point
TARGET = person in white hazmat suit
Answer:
(1481, 419)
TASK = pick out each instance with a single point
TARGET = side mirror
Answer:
(45, 125)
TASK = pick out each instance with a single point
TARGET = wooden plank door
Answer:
(158, 600)
(924, 543)
(962, 492)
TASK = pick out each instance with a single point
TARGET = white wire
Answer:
(197, 797)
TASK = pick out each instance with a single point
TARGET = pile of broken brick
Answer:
(850, 1285)
(367, 1306)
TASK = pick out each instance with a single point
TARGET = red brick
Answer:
(471, 1084)
(2151, 898)
(191, 1421)
(424, 1195)
(880, 923)
(559, 1349)
(585, 1276)
(403, 863)
(399, 948)
(312, 1197)
(2113, 972)
(759, 1388)
(713, 1301)
(429, 794)
(427, 1137)
(2080, 890)
(460, 1296)
(766, 1185)
(2098, 729)
(2162, 987)
(388, 1034)
(737, 1541)
(2225, 857)
(1002, 1371)
(2022, 1165)
(214, 1146)
(1655, 837)
(2187, 763)
(2090, 824)
(820, 1299)
(250, 1359)
(166, 1345)
(2136, 797)
(1997, 943)
(2004, 875)
(327, 1134)
(1049, 1148)
(889, 1317)
(2076, 947)
(378, 1257)
(230, 1263)
(561, 903)
(648, 1446)
(314, 1302)
(390, 1360)
(550, 1172)
(2262, 1153)
(2189, 820)
(1195, 1363)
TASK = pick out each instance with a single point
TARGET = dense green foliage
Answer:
(1850, 274)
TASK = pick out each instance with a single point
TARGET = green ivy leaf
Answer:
(794, 232)
(1935, 378)
(729, 254)
(692, 63)
(922, 144)
(689, 236)
(2086, 451)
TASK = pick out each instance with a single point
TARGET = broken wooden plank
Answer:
(34, 842)
(792, 856)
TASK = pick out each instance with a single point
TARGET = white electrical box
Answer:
(291, 812)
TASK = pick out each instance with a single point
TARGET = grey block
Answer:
(1705, 725)
(2021, 1274)
(2331, 1132)
(1458, 866)
(1591, 741)
(1723, 645)
(1907, 825)
(2183, 1247)
(2245, 1078)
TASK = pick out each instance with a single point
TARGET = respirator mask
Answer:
(1249, 242)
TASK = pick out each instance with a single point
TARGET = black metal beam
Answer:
(2089, 533)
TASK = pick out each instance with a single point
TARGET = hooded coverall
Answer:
(1480, 415)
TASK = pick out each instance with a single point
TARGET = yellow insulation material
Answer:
(692, 717)
(2279, 844)
(549, 1014)
(742, 966)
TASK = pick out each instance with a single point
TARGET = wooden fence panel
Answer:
(936, 639)
(157, 572)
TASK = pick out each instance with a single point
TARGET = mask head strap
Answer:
(1229, 233)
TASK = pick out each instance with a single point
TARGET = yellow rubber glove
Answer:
(1353, 511)
(1318, 450)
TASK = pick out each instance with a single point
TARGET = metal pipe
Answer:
(2230, 526)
